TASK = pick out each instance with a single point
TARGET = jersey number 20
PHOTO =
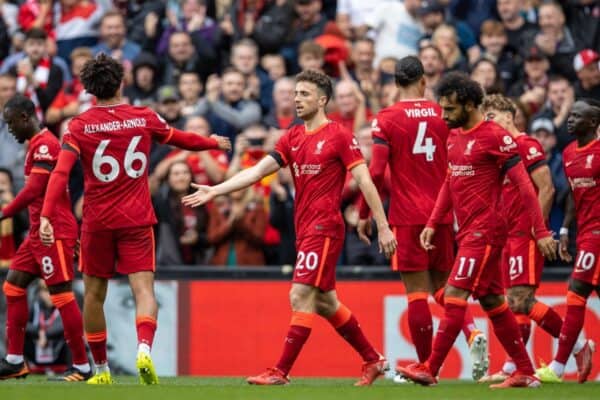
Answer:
(130, 156)
(424, 145)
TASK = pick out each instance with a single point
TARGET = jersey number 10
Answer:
(424, 145)
(130, 157)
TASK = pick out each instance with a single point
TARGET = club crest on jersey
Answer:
(588, 161)
(296, 170)
(469, 148)
(354, 145)
(320, 145)
(374, 126)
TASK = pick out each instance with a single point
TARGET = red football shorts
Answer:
(587, 262)
(411, 257)
(125, 251)
(478, 270)
(54, 264)
(522, 262)
(316, 259)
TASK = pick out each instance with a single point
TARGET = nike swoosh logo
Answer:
(568, 163)
(460, 278)
(295, 148)
(301, 274)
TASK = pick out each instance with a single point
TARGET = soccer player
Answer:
(480, 155)
(113, 142)
(319, 152)
(54, 264)
(522, 262)
(581, 160)
(411, 136)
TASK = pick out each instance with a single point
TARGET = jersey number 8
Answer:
(130, 157)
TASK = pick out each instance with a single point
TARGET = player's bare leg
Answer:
(94, 323)
(142, 286)
(347, 326)
(15, 290)
(476, 339)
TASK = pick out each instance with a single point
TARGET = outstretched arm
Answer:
(195, 142)
(242, 179)
(34, 188)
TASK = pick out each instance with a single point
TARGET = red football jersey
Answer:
(318, 161)
(476, 159)
(416, 136)
(114, 146)
(582, 167)
(533, 156)
(44, 149)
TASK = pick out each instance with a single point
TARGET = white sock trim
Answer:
(143, 348)
(100, 368)
(558, 368)
(85, 368)
(14, 358)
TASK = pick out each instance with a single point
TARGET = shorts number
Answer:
(464, 271)
(516, 266)
(130, 156)
(47, 266)
(311, 258)
(422, 144)
(585, 261)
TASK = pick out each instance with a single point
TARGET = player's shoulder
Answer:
(528, 142)
(45, 137)
(570, 149)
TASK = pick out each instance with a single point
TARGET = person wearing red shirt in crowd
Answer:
(522, 262)
(352, 112)
(33, 260)
(582, 167)
(113, 141)
(410, 136)
(481, 154)
(319, 153)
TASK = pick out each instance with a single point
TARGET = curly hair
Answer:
(500, 103)
(465, 89)
(322, 81)
(408, 71)
(102, 76)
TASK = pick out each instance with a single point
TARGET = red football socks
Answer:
(146, 327)
(546, 318)
(468, 324)
(450, 326)
(348, 327)
(507, 331)
(571, 327)
(420, 324)
(72, 325)
(97, 342)
(524, 326)
(16, 317)
(300, 328)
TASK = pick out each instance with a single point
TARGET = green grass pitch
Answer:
(184, 388)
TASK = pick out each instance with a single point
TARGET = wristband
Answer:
(563, 231)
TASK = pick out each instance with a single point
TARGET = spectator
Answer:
(229, 112)
(12, 153)
(282, 215)
(351, 17)
(10, 12)
(556, 40)
(274, 64)
(531, 89)
(352, 111)
(397, 28)
(283, 112)
(37, 14)
(494, 41)
(561, 97)
(72, 99)
(244, 57)
(37, 76)
(142, 91)
(142, 18)
(272, 28)
(445, 39)
(190, 89)
(236, 226)
(473, 12)
(310, 22)
(248, 150)
(364, 72)
(169, 106)
(181, 235)
(484, 72)
(311, 56)
(587, 67)
(7, 238)
(583, 17)
(114, 42)
(433, 65)
(520, 33)
(183, 56)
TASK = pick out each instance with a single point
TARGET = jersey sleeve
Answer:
(44, 154)
(349, 150)
(282, 150)
(379, 130)
(160, 130)
(503, 148)
(69, 139)
(532, 155)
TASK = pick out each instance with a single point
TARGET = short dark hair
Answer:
(322, 81)
(460, 84)
(22, 104)
(557, 78)
(434, 48)
(36, 34)
(8, 172)
(102, 76)
(409, 70)
(113, 13)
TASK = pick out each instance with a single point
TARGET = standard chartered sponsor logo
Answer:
(462, 170)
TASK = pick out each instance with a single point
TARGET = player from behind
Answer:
(319, 154)
(33, 260)
(113, 142)
(581, 161)
(522, 262)
(480, 155)
(411, 136)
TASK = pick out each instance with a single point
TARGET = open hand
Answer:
(547, 246)
(426, 238)
(387, 242)
(201, 196)
(364, 230)
(563, 249)
(223, 142)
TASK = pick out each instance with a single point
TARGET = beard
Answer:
(460, 121)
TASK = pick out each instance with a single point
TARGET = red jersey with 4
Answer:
(416, 136)
(318, 161)
(532, 155)
(114, 144)
(41, 158)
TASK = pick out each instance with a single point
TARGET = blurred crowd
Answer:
(227, 67)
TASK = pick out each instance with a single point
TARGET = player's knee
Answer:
(300, 299)
(521, 300)
(452, 291)
(491, 301)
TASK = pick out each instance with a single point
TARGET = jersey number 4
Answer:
(424, 145)
(113, 169)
